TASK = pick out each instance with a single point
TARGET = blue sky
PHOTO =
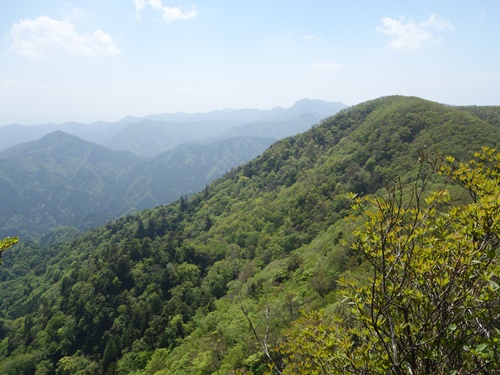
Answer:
(93, 60)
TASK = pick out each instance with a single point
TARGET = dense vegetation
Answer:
(432, 302)
(7, 243)
(210, 284)
(61, 180)
(77, 181)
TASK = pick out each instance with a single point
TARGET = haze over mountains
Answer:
(191, 287)
(154, 134)
(83, 175)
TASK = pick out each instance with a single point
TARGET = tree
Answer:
(7, 243)
(432, 302)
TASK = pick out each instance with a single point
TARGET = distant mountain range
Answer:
(151, 135)
(61, 179)
(51, 178)
(258, 258)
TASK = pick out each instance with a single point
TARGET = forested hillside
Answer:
(62, 180)
(68, 175)
(219, 283)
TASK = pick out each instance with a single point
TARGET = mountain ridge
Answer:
(100, 184)
(105, 133)
(174, 289)
(62, 180)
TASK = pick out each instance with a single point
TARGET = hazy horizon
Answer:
(89, 61)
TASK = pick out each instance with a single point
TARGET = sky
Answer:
(102, 60)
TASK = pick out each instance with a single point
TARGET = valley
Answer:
(230, 275)
(77, 176)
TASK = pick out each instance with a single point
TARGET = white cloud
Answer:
(312, 37)
(139, 6)
(16, 86)
(437, 23)
(168, 14)
(321, 65)
(408, 36)
(43, 36)
(73, 13)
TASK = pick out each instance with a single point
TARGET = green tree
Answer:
(432, 302)
(7, 243)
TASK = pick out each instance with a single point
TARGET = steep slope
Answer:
(62, 180)
(188, 168)
(169, 290)
(490, 114)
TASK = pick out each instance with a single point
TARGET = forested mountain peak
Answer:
(60, 144)
(57, 135)
(62, 180)
(209, 284)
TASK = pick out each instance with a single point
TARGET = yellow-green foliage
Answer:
(167, 290)
(6, 243)
(432, 304)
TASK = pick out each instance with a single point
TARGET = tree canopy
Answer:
(178, 288)
(7, 243)
(431, 304)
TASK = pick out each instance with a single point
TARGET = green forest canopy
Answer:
(7, 243)
(431, 302)
(174, 289)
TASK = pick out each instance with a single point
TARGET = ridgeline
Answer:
(201, 285)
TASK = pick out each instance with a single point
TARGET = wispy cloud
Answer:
(139, 7)
(408, 35)
(313, 37)
(16, 86)
(168, 14)
(43, 36)
(72, 13)
(321, 65)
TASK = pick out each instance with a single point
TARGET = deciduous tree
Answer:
(6, 243)
(432, 302)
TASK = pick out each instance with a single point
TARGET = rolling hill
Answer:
(197, 286)
(62, 180)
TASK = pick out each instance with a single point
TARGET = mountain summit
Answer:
(194, 287)
(62, 180)
(318, 108)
